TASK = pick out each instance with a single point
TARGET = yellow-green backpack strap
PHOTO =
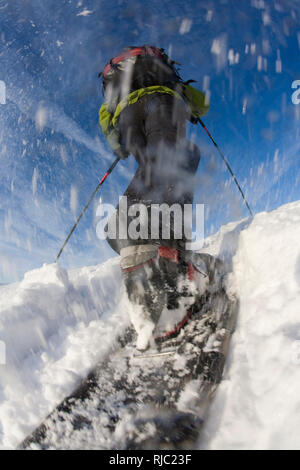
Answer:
(105, 119)
(197, 100)
(109, 121)
(138, 94)
(106, 123)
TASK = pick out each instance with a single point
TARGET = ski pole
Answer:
(86, 206)
(227, 165)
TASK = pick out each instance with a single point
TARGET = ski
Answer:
(155, 354)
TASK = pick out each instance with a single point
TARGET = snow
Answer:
(85, 12)
(257, 404)
(185, 26)
(56, 324)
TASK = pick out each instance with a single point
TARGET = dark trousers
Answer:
(155, 286)
(154, 131)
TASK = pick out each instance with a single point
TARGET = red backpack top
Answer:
(131, 54)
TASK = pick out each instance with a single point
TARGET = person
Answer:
(144, 114)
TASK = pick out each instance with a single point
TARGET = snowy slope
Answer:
(257, 406)
(56, 325)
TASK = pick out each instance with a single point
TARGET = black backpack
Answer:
(145, 66)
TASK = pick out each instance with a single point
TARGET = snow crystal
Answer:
(185, 26)
(41, 118)
(2, 92)
(266, 46)
(209, 15)
(259, 4)
(278, 66)
(233, 58)
(276, 160)
(259, 63)
(73, 199)
(266, 18)
(189, 396)
(34, 180)
(85, 12)
(216, 47)
(219, 49)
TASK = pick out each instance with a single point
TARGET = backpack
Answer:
(147, 66)
(145, 60)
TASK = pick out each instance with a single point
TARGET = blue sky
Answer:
(52, 152)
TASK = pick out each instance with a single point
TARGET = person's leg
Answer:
(150, 274)
(141, 278)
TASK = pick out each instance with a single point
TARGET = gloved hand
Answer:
(121, 153)
(194, 120)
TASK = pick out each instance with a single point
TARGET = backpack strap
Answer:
(196, 100)
(109, 120)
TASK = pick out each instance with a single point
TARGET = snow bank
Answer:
(56, 325)
(257, 405)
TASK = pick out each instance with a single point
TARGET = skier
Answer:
(144, 114)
